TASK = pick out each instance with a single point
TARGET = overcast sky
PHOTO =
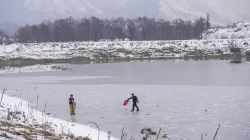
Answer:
(32, 11)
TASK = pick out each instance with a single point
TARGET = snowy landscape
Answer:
(33, 68)
(216, 42)
(22, 64)
(20, 120)
(124, 49)
(239, 30)
(186, 61)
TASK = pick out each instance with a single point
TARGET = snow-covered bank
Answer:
(34, 68)
(19, 120)
(121, 49)
(239, 31)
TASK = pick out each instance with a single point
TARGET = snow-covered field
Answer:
(23, 117)
(239, 31)
(122, 49)
(215, 42)
(33, 68)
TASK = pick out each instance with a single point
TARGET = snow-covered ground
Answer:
(215, 42)
(25, 120)
(121, 49)
(34, 68)
(239, 31)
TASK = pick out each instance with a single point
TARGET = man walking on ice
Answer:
(135, 101)
(72, 105)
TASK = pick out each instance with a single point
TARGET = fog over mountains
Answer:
(34, 11)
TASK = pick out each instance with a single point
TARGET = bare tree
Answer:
(208, 25)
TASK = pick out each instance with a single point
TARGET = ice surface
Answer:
(184, 98)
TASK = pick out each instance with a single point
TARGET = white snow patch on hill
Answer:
(239, 31)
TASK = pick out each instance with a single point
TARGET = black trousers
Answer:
(135, 105)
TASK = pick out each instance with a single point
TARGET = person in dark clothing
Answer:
(72, 105)
(135, 101)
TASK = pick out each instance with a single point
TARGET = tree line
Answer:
(95, 29)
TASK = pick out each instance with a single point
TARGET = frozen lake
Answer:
(184, 98)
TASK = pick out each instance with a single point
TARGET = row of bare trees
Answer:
(94, 29)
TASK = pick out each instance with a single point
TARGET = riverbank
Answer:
(21, 120)
(119, 51)
(87, 51)
(216, 44)
(20, 62)
(116, 51)
(33, 68)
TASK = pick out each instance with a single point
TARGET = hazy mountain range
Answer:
(34, 11)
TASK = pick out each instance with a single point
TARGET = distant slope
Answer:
(238, 31)
(222, 11)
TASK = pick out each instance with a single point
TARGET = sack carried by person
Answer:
(125, 102)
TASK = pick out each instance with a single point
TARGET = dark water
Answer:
(184, 98)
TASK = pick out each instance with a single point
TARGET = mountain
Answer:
(221, 11)
(33, 11)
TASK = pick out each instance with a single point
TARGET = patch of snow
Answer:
(240, 30)
(119, 49)
(34, 68)
(11, 136)
(55, 79)
(58, 125)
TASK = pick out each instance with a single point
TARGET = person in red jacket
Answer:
(72, 105)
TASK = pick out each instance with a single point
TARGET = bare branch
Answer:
(2, 96)
(216, 132)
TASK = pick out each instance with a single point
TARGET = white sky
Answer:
(36, 10)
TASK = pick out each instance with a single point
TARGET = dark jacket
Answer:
(135, 99)
(71, 100)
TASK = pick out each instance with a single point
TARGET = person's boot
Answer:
(137, 110)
